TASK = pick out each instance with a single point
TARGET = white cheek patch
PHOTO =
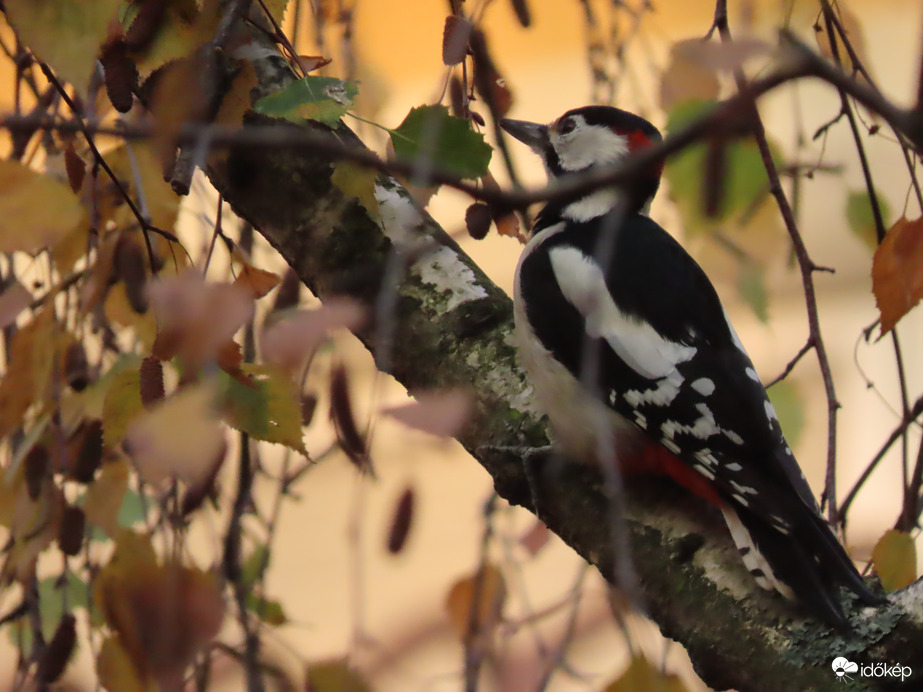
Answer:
(638, 344)
(592, 206)
(588, 145)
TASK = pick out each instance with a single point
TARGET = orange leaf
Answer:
(484, 590)
(163, 614)
(258, 282)
(895, 558)
(897, 271)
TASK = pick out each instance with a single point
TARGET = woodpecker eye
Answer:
(566, 126)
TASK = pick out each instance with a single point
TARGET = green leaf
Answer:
(325, 99)
(745, 181)
(752, 288)
(51, 599)
(267, 409)
(431, 134)
(786, 399)
(862, 219)
(268, 610)
(255, 566)
(895, 558)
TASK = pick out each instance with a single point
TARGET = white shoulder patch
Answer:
(637, 343)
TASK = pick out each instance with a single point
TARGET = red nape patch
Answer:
(637, 140)
(654, 459)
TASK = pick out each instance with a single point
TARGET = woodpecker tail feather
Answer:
(808, 564)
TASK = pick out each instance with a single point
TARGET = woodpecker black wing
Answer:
(661, 352)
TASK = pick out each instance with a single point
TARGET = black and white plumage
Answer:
(626, 344)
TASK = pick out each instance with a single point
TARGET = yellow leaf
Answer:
(182, 30)
(36, 210)
(66, 34)
(895, 558)
(359, 182)
(897, 271)
(267, 407)
(105, 495)
(34, 525)
(180, 437)
(121, 405)
(31, 359)
(117, 672)
(71, 247)
(335, 675)
(641, 676)
(119, 311)
(486, 592)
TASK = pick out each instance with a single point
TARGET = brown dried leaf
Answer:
(33, 526)
(352, 442)
(897, 271)
(309, 63)
(401, 521)
(477, 220)
(75, 167)
(507, 222)
(455, 38)
(442, 413)
(58, 652)
(481, 595)
(488, 82)
(291, 340)
(895, 560)
(163, 614)
(14, 299)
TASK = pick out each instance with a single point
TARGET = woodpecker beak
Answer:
(531, 134)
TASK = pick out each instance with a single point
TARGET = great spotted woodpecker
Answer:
(628, 348)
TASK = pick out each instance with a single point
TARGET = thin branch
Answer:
(808, 345)
(805, 265)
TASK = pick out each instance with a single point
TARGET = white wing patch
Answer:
(638, 344)
(704, 386)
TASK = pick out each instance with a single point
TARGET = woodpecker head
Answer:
(587, 137)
